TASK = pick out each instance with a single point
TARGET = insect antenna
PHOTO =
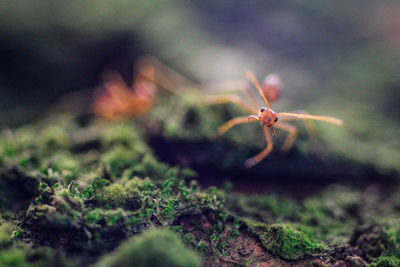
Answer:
(252, 78)
(328, 119)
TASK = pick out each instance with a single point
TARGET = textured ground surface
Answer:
(79, 191)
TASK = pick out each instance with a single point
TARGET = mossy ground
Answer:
(77, 192)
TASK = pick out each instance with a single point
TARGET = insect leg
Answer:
(260, 156)
(230, 87)
(229, 124)
(292, 134)
(222, 99)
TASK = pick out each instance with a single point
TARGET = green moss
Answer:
(22, 256)
(255, 225)
(331, 213)
(108, 217)
(156, 247)
(385, 261)
(110, 186)
(46, 217)
(64, 162)
(53, 137)
(150, 167)
(119, 158)
(66, 202)
(378, 240)
(114, 195)
(15, 142)
(5, 234)
(120, 196)
(112, 217)
(189, 239)
(285, 241)
(270, 207)
(92, 217)
(121, 134)
(391, 236)
(13, 257)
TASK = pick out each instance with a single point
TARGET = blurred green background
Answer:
(338, 58)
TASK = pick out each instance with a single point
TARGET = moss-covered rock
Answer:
(287, 242)
(385, 261)
(13, 257)
(89, 190)
(155, 247)
(5, 234)
(382, 239)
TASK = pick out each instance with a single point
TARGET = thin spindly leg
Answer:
(165, 71)
(292, 134)
(256, 159)
(151, 74)
(229, 124)
(310, 128)
(233, 87)
(222, 99)
(163, 81)
(157, 72)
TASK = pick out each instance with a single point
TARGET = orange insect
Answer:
(119, 101)
(269, 91)
(268, 120)
(271, 88)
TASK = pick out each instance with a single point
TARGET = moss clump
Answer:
(64, 162)
(22, 256)
(119, 196)
(385, 261)
(53, 137)
(13, 257)
(150, 167)
(156, 247)
(119, 158)
(93, 217)
(270, 207)
(332, 214)
(5, 234)
(105, 217)
(114, 195)
(14, 142)
(285, 241)
(382, 239)
(121, 134)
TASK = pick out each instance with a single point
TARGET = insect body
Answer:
(268, 119)
(119, 101)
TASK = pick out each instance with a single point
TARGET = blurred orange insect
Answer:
(119, 101)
